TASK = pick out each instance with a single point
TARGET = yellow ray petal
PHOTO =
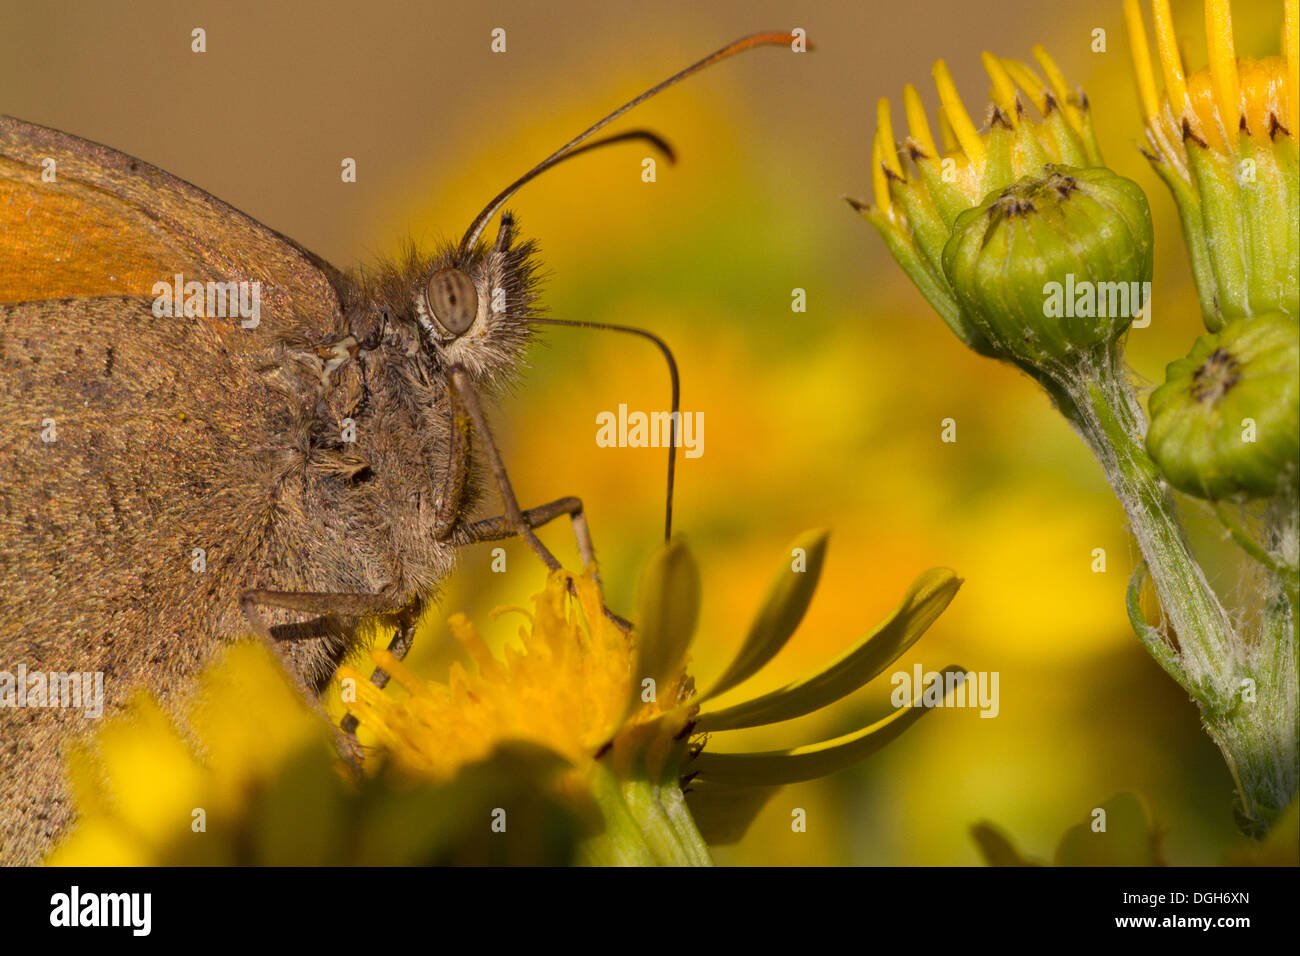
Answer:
(946, 133)
(1170, 60)
(962, 126)
(813, 761)
(783, 608)
(1062, 89)
(1223, 64)
(879, 182)
(885, 129)
(669, 610)
(1029, 82)
(1291, 50)
(1004, 90)
(924, 601)
(1146, 78)
(917, 126)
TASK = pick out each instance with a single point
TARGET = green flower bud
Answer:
(1226, 422)
(1054, 266)
(915, 209)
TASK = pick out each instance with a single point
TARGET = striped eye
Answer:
(453, 300)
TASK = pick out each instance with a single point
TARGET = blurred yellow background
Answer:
(829, 417)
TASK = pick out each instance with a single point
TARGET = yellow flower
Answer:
(623, 711)
(1229, 98)
(1014, 143)
(265, 786)
(144, 796)
(1223, 138)
(566, 686)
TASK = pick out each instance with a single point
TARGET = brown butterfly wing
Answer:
(156, 421)
(113, 225)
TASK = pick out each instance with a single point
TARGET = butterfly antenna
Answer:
(569, 149)
(674, 418)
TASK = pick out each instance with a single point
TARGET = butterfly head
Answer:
(471, 304)
(463, 308)
(473, 307)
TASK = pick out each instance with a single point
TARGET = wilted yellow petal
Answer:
(669, 605)
(783, 608)
(924, 601)
(808, 763)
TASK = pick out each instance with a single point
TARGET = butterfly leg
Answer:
(498, 528)
(310, 602)
(407, 618)
(447, 508)
(465, 396)
(328, 604)
(515, 521)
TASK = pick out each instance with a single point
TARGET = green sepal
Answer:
(933, 286)
(1224, 222)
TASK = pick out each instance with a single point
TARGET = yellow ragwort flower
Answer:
(246, 773)
(1231, 97)
(565, 686)
(1013, 144)
(623, 711)
(1223, 138)
(145, 796)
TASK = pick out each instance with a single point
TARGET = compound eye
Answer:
(453, 300)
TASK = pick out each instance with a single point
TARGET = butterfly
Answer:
(210, 430)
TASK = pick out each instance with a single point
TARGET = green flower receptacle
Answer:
(1054, 266)
(1226, 422)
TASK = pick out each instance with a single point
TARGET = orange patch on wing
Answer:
(67, 239)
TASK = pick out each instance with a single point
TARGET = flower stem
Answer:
(645, 824)
(621, 841)
(1111, 422)
(1245, 687)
